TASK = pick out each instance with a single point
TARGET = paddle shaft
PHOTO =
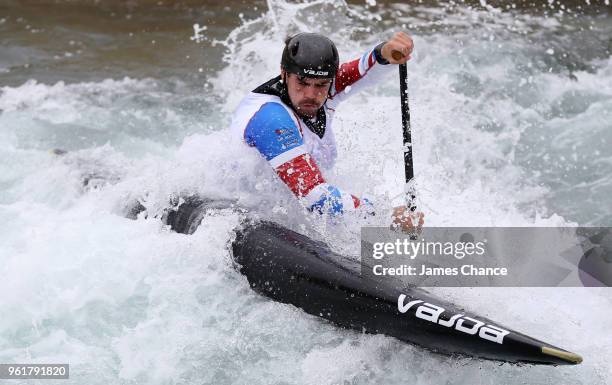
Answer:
(408, 168)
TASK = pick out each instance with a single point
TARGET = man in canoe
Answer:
(288, 119)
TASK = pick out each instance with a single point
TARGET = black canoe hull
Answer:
(291, 268)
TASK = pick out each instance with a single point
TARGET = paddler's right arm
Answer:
(275, 135)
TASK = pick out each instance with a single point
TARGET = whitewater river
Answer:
(512, 125)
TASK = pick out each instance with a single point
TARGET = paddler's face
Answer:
(307, 94)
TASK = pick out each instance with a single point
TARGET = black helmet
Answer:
(311, 55)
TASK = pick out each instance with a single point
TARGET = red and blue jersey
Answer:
(297, 148)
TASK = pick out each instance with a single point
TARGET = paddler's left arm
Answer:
(371, 68)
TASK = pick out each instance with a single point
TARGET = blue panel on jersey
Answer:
(331, 202)
(272, 131)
